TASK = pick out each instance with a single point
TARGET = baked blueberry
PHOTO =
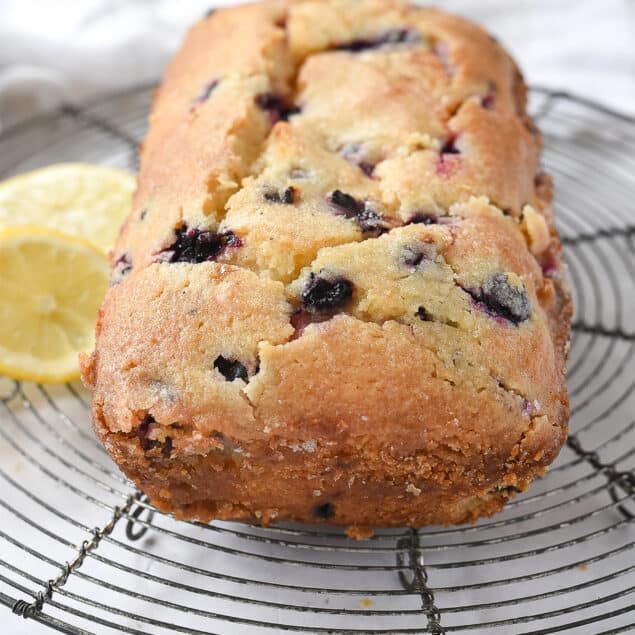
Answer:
(194, 245)
(231, 369)
(123, 265)
(489, 99)
(370, 221)
(326, 293)
(279, 108)
(345, 203)
(449, 147)
(367, 168)
(166, 450)
(324, 510)
(422, 218)
(142, 432)
(287, 197)
(448, 161)
(488, 102)
(549, 265)
(506, 300)
(205, 93)
(502, 299)
(387, 38)
(354, 153)
(413, 255)
(423, 315)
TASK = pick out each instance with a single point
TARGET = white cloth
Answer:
(57, 50)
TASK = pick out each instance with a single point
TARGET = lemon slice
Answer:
(90, 201)
(51, 285)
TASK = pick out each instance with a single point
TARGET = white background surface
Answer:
(52, 50)
(75, 49)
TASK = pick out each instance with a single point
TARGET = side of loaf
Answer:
(339, 297)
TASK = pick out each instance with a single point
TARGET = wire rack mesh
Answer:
(83, 552)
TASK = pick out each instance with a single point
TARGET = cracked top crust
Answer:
(340, 234)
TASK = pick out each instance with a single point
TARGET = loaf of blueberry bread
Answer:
(339, 297)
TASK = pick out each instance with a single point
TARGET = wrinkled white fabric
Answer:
(71, 50)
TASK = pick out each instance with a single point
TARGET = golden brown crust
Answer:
(433, 386)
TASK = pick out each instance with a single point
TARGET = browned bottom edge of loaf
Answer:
(360, 489)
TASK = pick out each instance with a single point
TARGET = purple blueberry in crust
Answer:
(488, 102)
(387, 38)
(449, 147)
(166, 450)
(287, 197)
(421, 218)
(549, 265)
(367, 168)
(506, 300)
(530, 407)
(489, 99)
(370, 221)
(205, 93)
(147, 444)
(350, 206)
(143, 213)
(354, 154)
(210, 12)
(123, 265)
(194, 245)
(326, 293)
(230, 369)
(279, 109)
(142, 433)
(448, 159)
(413, 255)
(423, 315)
(503, 300)
(324, 510)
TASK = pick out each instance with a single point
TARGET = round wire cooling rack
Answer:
(83, 552)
